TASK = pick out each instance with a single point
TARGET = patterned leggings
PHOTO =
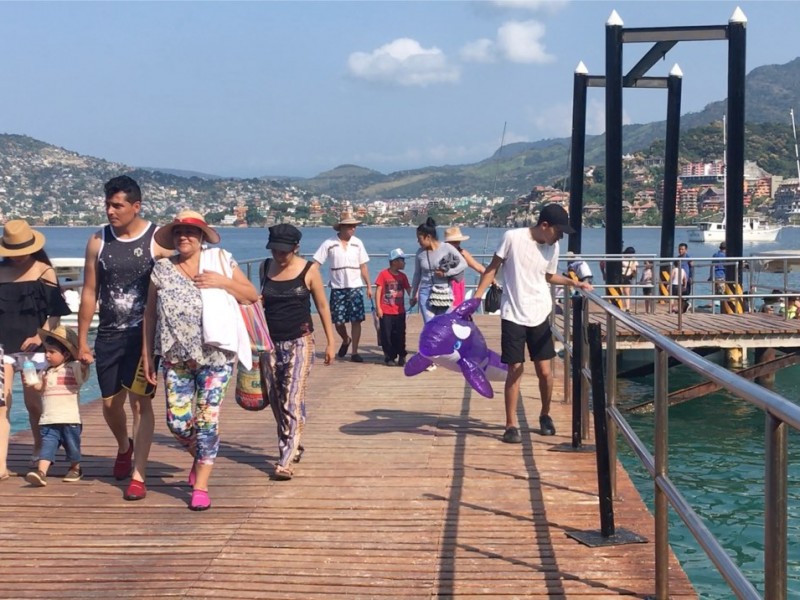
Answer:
(198, 432)
(287, 374)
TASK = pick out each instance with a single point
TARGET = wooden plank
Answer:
(405, 491)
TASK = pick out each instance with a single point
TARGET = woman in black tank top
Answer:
(288, 282)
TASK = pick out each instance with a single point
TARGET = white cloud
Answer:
(480, 51)
(517, 41)
(403, 62)
(521, 42)
(550, 6)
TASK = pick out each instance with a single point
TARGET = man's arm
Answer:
(365, 277)
(487, 277)
(556, 279)
(88, 299)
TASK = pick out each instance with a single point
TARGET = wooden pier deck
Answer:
(405, 491)
(703, 330)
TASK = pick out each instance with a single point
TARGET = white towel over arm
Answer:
(223, 326)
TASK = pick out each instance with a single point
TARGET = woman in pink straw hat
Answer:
(454, 237)
(196, 373)
(30, 298)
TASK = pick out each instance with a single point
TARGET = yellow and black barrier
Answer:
(664, 285)
(734, 305)
(617, 296)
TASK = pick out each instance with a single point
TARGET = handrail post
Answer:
(661, 504)
(611, 390)
(604, 465)
(577, 366)
(569, 347)
(775, 509)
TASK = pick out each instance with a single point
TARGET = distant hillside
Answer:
(514, 169)
(181, 173)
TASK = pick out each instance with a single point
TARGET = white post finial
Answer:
(738, 16)
(676, 71)
(614, 20)
(581, 69)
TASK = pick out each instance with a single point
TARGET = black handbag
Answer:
(491, 303)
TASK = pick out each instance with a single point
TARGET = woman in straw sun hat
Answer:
(30, 298)
(196, 373)
(454, 237)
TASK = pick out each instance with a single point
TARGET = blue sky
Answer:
(296, 88)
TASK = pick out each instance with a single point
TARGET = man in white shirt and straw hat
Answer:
(348, 274)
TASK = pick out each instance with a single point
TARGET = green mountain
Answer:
(516, 168)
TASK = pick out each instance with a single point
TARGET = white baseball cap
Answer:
(396, 253)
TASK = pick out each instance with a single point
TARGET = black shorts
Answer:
(118, 360)
(514, 338)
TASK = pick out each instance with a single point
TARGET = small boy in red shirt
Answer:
(390, 285)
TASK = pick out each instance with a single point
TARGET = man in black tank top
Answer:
(119, 259)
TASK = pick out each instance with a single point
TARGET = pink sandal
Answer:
(200, 500)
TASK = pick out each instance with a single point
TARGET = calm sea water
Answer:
(716, 442)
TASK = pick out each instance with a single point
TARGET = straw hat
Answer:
(453, 234)
(346, 218)
(66, 335)
(164, 237)
(20, 240)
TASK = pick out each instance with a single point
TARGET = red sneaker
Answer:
(123, 466)
(136, 490)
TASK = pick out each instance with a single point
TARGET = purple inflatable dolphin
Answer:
(453, 341)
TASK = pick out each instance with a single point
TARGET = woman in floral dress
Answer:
(194, 372)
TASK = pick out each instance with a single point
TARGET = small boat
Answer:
(70, 275)
(776, 261)
(754, 229)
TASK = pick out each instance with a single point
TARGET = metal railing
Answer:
(780, 414)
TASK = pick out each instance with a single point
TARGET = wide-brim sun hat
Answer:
(164, 237)
(346, 218)
(453, 234)
(20, 239)
(66, 335)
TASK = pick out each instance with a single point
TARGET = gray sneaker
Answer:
(546, 425)
(511, 436)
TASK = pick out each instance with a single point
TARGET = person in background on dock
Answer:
(646, 282)
(717, 270)
(436, 265)
(390, 288)
(677, 280)
(196, 374)
(687, 265)
(119, 258)
(629, 269)
(60, 387)
(792, 311)
(288, 283)
(348, 274)
(580, 268)
(454, 237)
(530, 259)
(30, 298)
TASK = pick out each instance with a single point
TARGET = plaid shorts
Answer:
(347, 305)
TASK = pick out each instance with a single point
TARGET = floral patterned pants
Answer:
(204, 386)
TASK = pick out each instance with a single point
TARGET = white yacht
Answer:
(754, 229)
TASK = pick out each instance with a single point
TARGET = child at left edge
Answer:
(60, 423)
(391, 286)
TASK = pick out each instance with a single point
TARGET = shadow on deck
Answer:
(405, 491)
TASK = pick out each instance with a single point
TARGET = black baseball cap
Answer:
(283, 237)
(555, 216)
